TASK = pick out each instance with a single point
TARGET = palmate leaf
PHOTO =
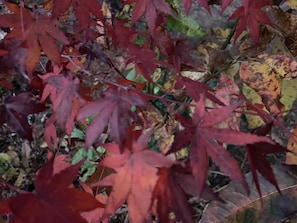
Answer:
(205, 4)
(204, 137)
(54, 199)
(113, 108)
(150, 8)
(250, 15)
(38, 32)
(82, 9)
(63, 90)
(15, 110)
(171, 190)
(135, 178)
(257, 157)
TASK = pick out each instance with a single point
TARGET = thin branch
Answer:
(103, 80)
(12, 187)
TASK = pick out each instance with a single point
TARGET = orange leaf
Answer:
(264, 76)
(291, 158)
(134, 180)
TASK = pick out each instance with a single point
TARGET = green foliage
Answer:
(91, 157)
(184, 25)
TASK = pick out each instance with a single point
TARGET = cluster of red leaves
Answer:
(250, 15)
(149, 182)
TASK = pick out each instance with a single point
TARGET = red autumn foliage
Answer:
(62, 204)
(148, 182)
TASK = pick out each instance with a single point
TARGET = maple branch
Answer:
(215, 73)
(12, 187)
(90, 74)
(229, 37)
(78, 67)
(111, 65)
(125, 87)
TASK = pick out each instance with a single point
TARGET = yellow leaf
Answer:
(289, 93)
(264, 80)
(265, 74)
(292, 4)
(253, 120)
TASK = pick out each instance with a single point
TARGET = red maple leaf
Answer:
(149, 8)
(251, 14)
(116, 32)
(179, 54)
(256, 155)
(54, 198)
(195, 88)
(144, 59)
(63, 90)
(82, 10)
(162, 40)
(204, 140)
(38, 32)
(113, 108)
(136, 175)
(15, 110)
(205, 4)
(171, 190)
(15, 56)
(225, 4)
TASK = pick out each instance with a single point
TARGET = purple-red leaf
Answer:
(15, 110)
(54, 199)
(113, 108)
(150, 8)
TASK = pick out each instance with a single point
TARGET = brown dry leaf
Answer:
(272, 207)
(218, 58)
(264, 76)
(247, 46)
(164, 127)
(291, 158)
(284, 24)
(213, 56)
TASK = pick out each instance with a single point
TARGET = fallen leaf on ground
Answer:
(272, 207)
(291, 158)
(264, 75)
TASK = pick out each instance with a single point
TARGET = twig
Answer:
(12, 187)
(121, 86)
